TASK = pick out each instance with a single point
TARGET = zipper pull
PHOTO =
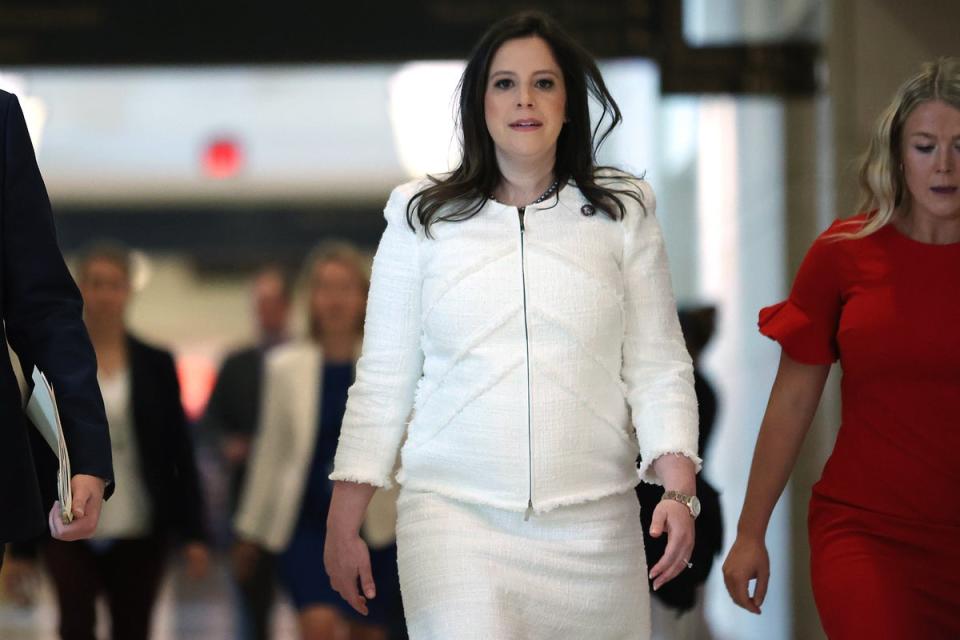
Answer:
(529, 511)
(521, 211)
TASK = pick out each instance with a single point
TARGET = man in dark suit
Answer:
(234, 406)
(41, 309)
(231, 419)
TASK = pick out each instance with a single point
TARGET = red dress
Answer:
(884, 518)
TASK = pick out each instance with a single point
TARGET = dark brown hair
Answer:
(462, 193)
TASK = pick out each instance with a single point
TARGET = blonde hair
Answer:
(882, 186)
(341, 252)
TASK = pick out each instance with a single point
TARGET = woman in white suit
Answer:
(521, 307)
(284, 503)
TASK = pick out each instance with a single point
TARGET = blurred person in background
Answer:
(678, 607)
(42, 321)
(877, 291)
(158, 493)
(286, 495)
(521, 309)
(231, 419)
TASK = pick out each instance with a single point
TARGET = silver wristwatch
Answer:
(692, 502)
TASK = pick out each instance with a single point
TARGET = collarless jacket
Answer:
(526, 359)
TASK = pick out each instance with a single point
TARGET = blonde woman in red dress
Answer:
(879, 293)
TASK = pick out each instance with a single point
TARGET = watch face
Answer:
(695, 506)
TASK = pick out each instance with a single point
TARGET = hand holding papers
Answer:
(42, 411)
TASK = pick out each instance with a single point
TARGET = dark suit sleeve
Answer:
(41, 304)
(187, 493)
(235, 400)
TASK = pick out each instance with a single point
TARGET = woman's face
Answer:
(105, 287)
(337, 298)
(525, 100)
(931, 160)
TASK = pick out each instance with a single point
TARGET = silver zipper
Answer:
(526, 337)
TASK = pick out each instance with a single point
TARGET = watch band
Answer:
(690, 502)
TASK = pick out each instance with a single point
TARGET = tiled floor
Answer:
(186, 611)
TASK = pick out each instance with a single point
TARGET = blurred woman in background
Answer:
(158, 498)
(284, 503)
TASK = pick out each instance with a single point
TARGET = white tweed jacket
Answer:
(526, 361)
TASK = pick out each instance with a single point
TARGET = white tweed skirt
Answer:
(474, 572)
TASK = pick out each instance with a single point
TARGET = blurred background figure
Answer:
(286, 495)
(677, 608)
(158, 494)
(231, 420)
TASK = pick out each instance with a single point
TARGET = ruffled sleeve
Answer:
(805, 324)
(802, 337)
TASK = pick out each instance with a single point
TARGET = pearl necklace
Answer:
(546, 194)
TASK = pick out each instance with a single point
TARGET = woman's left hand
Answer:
(673, 519)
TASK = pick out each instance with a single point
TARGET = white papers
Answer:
(42, 411)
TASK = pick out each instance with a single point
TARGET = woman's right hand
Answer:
(347, 558)
(793, 401)
(747, 560)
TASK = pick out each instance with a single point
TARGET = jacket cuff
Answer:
(362, 476)
(361, 460)
(646, 471)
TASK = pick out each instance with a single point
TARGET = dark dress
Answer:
(301, 564)
(884, 518)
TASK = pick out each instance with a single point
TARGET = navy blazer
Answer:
(43, 323)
